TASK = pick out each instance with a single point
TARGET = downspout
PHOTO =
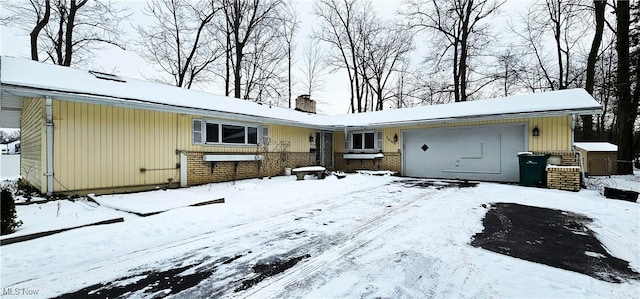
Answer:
(49, 140)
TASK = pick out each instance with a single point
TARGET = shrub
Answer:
(8, 212)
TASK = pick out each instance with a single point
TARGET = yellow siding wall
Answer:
(102, 147)
(298, 137)
(98, 147)
(555, 133)
(32, 151)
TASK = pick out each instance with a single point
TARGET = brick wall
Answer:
(563, 178)
(201, 172)
(567, 175)
(391, 161)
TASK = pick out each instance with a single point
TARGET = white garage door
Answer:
(474, 153)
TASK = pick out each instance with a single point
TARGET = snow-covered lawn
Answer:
(361, 236)
(60, 214)
(156, 201)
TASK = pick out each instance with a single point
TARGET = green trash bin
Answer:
(533, 169)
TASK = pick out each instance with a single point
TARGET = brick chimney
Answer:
(304, 103)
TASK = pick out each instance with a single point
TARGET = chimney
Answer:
(304, 103)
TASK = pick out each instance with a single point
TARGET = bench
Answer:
(315, 170)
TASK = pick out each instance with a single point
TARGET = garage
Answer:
(485, 153)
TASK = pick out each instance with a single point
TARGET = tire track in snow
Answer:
(139, 259)
(346, 243)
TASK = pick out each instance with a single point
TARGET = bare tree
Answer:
(560, 66)
(264, 69)
(68, 31)
(385, 46)
(510, 70)
(366, 46)
(313, 69)
(181, 41)
(243, 19)
(338, 21)
(460, 28)
(290, 26)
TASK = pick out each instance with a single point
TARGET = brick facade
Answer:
(563, 178)
(566, 176)
(202, 172)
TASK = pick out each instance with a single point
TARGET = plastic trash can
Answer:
(533, 169)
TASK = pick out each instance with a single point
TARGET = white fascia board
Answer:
(586, 111)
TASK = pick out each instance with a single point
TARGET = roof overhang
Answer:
(22, 91)
(10, 110)
(475, 118)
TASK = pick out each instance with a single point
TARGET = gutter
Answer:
(449, 120)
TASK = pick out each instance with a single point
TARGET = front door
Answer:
(324, 142)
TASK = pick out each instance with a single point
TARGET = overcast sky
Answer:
(333, 99)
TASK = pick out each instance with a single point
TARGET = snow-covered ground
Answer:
(361, 236)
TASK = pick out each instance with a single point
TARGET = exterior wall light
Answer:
(536, 131)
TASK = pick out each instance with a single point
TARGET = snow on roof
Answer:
(36, 75)
(597, 146)
(33, 74)
(561, 101)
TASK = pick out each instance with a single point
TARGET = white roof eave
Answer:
(144, 105)
(471, 118)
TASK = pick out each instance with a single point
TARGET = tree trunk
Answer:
(237, 72)
(36, 30)
(68, 42)
(289, 73)
(625, 108)
(587, 120)
(456, 73)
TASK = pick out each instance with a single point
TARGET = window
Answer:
(364, 141)
(252, 135)
(210, 132)
(233, 134)
(213, 135)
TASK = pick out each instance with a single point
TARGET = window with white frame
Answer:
(364, 141)
(215, 132)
